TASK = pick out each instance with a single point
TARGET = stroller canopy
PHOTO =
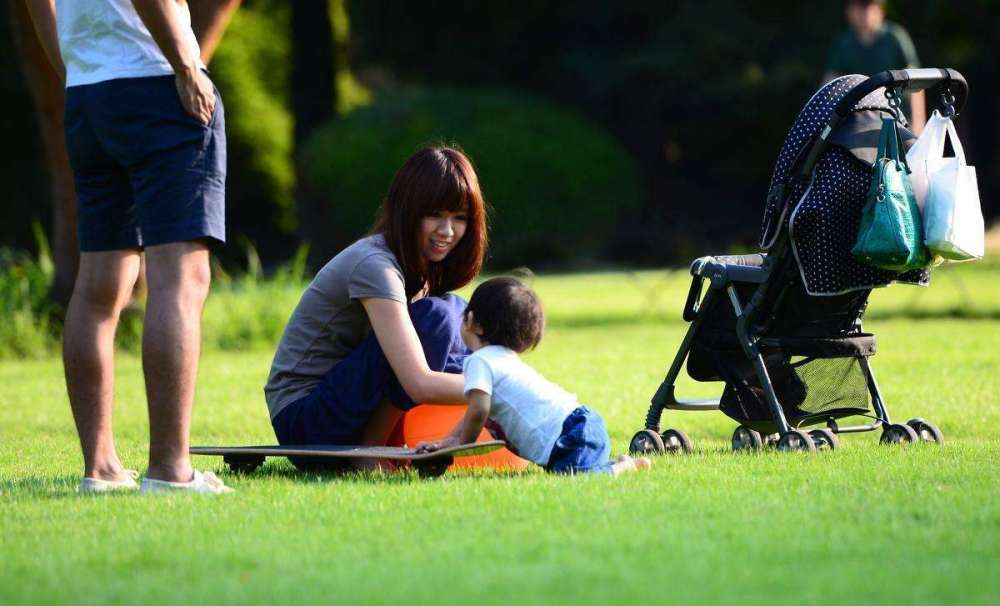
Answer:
(822, 217)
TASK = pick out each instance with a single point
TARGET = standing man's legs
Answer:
(178, 277)
(103, 287)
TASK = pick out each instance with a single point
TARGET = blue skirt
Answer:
(339, 408)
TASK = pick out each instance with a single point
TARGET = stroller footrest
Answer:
(861, 344)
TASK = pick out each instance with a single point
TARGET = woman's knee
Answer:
(437, 317)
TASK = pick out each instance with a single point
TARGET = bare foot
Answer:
(626, 464)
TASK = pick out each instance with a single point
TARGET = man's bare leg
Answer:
(178, 277)
(103, 287)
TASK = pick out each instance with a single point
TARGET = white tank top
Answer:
(105, 39)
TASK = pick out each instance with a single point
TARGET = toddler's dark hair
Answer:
(508, 312)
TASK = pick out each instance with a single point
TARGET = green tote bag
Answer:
(891, 234)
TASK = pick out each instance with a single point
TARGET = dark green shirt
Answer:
(891, 48)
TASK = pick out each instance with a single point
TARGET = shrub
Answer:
(251, 70)
(557, 183)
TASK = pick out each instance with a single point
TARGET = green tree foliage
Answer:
(557, 182)
(250, 67)
(701, 93)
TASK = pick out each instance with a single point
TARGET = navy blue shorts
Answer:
(146, 171)
(338, 409)
(583, 446)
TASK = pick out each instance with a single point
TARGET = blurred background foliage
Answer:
(528, 153)
(627, 132)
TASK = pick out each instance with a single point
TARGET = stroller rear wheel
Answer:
(899, 434)
(674, 440)
(824, 439)
(927, 432)
(745, 438)
(645, 442)
(796, 440)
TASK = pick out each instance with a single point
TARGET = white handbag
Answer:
(930, 143)
(953, 219)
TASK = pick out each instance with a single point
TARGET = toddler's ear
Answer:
(470, 324)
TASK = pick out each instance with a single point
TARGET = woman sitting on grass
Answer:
(376, 331)
(537, 419)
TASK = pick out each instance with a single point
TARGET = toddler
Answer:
(537, 419)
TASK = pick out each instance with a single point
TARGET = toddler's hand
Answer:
(436, 444)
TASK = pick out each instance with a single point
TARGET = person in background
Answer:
(872, 45)
(145, 132)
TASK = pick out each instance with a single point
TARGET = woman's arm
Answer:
(401, 345)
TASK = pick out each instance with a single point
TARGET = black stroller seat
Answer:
(783, 329)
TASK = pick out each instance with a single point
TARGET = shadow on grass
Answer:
(40, 487)
(406, 475)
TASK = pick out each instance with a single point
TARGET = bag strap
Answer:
(900, 156)
(956, 144)
(890, 143)
(883, 140)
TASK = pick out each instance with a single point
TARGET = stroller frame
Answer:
(771, 277)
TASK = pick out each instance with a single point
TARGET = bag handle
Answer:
(934, 135)
(956, 144)
(889, 144)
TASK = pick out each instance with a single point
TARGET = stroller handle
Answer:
(908, 80)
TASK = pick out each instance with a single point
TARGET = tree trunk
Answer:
(313, 103)
(48, 96)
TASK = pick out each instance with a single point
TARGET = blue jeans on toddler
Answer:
(338, 409)
(583, 446)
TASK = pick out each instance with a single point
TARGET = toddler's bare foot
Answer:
(626, 463)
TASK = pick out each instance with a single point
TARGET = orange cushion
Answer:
(434, 421)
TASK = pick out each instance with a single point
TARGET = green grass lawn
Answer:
(863, 524)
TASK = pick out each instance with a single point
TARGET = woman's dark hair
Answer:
(508, 312)
(434, 179)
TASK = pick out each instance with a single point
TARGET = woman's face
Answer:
(440, 233)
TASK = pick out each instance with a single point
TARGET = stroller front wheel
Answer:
(899, 434)
(927, 432)
(646, 442)
(674, 440)
(796, 441)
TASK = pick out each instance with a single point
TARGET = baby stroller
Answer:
(782, 329)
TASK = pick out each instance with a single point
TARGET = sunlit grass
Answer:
(862, 524)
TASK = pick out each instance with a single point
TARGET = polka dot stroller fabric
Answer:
(822, 216)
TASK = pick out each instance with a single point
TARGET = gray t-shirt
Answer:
(329, 322)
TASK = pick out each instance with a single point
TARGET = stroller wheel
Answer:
(899, 434)
(675, 441)
(927, 432)
(646, 441)
(745, 438)
(796, 440)
(824, 439)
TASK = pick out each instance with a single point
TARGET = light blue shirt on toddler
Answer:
(526, 408)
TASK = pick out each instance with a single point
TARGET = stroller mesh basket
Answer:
(811, 388)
